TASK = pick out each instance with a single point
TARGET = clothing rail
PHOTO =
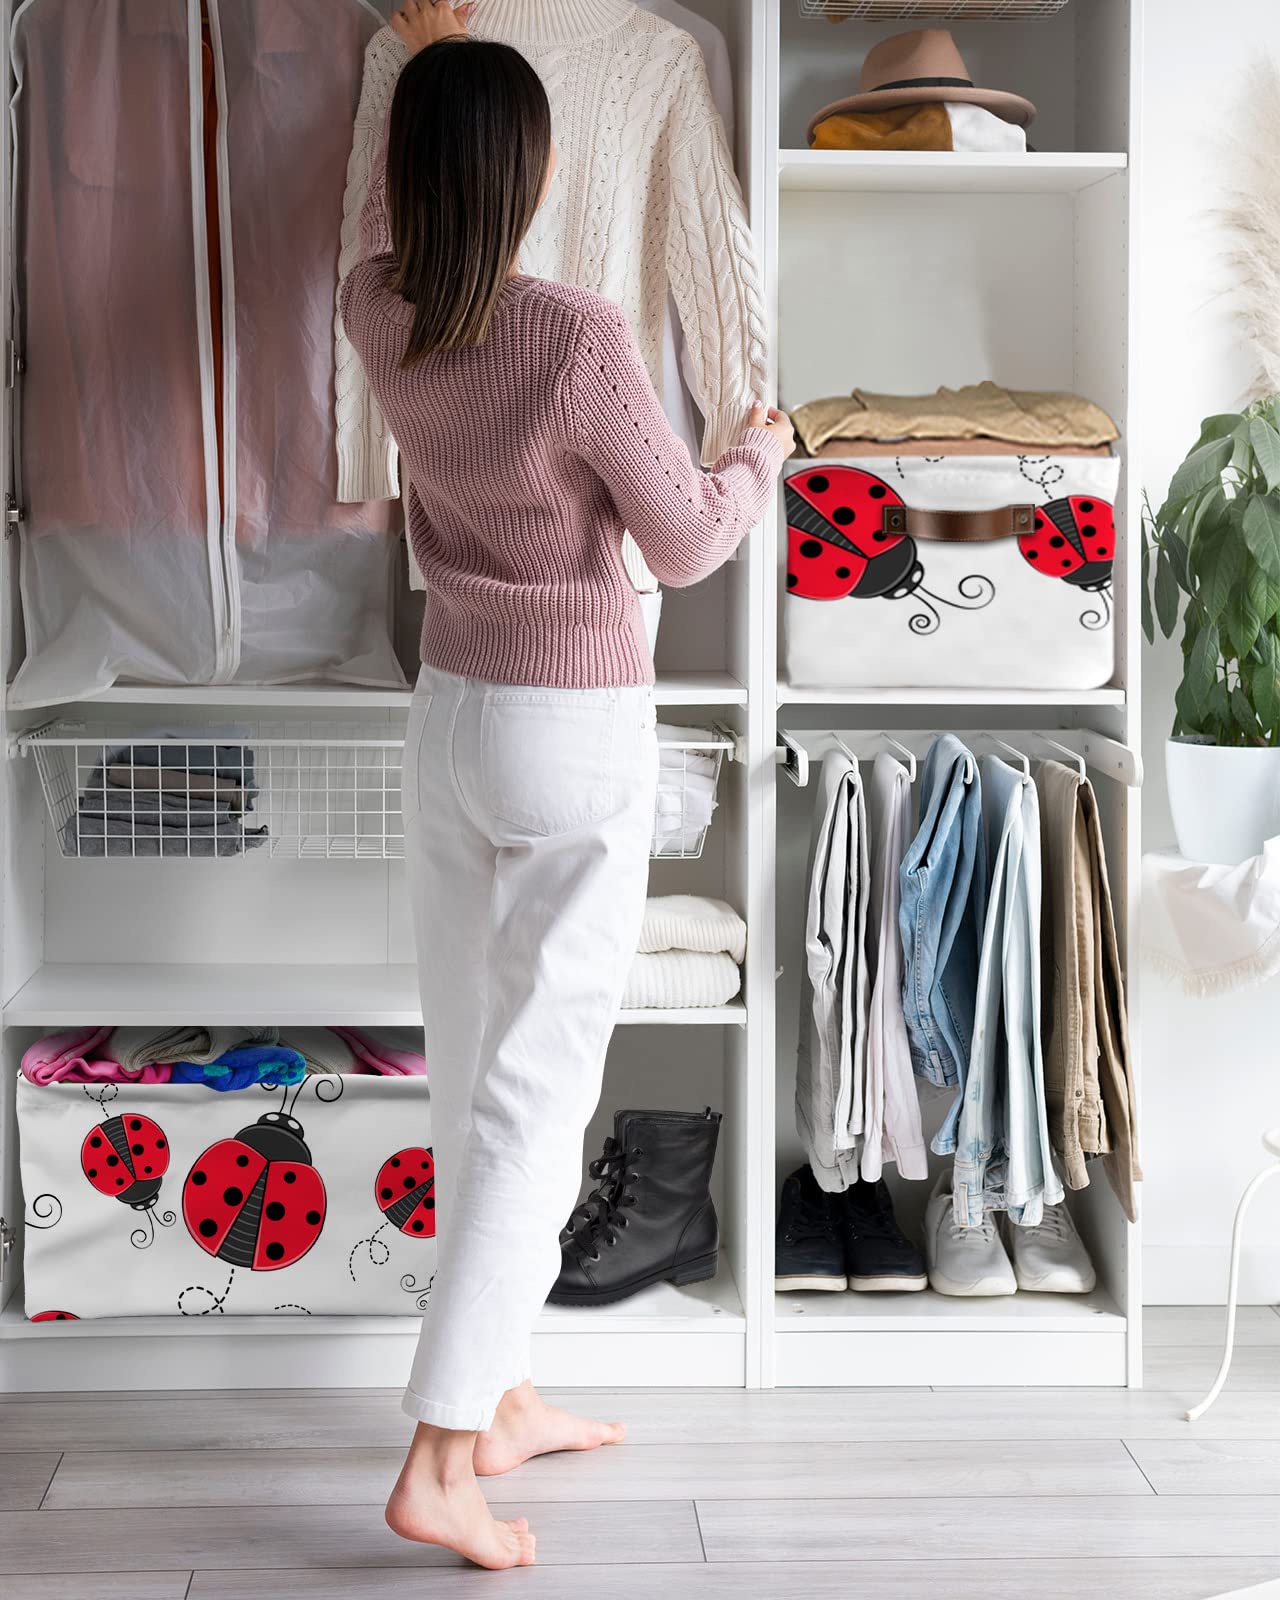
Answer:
(1090, 751)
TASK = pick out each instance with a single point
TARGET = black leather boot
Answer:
(650, 1218)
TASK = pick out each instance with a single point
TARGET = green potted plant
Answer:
(1211, 557)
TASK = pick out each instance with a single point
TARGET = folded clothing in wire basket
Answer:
(961, 570)
(173, 1200)
(688, 774)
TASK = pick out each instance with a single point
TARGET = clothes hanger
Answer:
(1017, 755)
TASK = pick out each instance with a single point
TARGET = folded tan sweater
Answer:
(1045, 421)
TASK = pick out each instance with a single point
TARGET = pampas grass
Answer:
(1252, 221)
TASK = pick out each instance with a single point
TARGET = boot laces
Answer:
(600, 1217)
(877, 1221)
(811, 1219)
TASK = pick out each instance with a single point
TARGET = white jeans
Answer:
(528, 816)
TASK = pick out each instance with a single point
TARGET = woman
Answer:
(532, 438)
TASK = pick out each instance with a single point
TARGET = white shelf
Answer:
(929, 1312)
(90, 994)
(704, 1308)
(947, 171)
(671, 689)
(788, 696)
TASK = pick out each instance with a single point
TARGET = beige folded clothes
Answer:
(139, 1047)
(853, 449)
(1044, 420)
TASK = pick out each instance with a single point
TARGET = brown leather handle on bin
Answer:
(960, 527)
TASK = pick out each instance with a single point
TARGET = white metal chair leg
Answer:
(1271, 1142)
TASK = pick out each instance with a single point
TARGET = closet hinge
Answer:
(6, 1246)
(12, 515)
(15, 366)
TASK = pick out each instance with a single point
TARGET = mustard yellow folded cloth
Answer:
(903, 128)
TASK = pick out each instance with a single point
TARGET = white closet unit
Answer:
(893, 274)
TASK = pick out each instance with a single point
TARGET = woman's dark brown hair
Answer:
(467, 154)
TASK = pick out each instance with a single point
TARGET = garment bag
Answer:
(119, 553)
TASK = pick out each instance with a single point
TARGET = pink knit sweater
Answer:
(527, 456)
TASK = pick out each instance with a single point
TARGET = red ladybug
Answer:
(1075, 540)
(836, 539)
(406, 1192)
(126, 1157)
(55, 1316)
(256, 1201)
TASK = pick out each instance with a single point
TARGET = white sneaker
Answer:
(963, 1261)
(1051, 1258)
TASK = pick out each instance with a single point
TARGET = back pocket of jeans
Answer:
(546, 758)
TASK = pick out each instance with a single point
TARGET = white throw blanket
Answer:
(692, 922)
(1213, 928)
(681, 979)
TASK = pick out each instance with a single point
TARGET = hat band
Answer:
(924, 83)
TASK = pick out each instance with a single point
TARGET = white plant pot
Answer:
(1225, 801)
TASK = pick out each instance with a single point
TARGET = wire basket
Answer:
(288, 790)
(930, 10)
(293, 791)
(689, 761)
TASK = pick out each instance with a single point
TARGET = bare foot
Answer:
(434, 1504)
(525, 1425)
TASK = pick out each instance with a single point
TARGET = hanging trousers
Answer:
(528, 816)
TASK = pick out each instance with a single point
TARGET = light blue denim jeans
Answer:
(1003, 1159)
(943, 881)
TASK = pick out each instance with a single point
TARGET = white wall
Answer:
(1211, 1068)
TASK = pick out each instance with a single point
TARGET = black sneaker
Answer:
(808, 1253)
(878, 1256)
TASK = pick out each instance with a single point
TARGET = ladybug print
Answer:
(406, 1192)
(126, 1157)
(1075, 540)
(836, 540)
(256, 1201)
(55, 1316)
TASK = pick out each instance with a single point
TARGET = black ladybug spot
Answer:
(387, 1193)
(275, 1212)
(879, 536)
(1065, 562)
(843, 515)
(135, 1124)
(842, 572)
(418, 1227)
(113, 1161)
(1088, 530)
(1033, 555)
(1086, 506)
(810, 548)
(146, 1169)
(1103, 552)
(1039, 520)
(208, 1228)
(819, 484)
(877, 491)
(313, 1219)
(274, 1252)
(242, 1161)
(233, 1196)
(59, 1316)
(792, 580)
(409, 1182)
(95, 1142)
(291, 1177)
(395, 1161)
(119, 1183)
(137, 1149)
(159, 1144)
(1057, 541)
(92, 1172)
(198, 1177)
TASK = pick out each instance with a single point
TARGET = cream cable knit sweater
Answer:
(644, 198)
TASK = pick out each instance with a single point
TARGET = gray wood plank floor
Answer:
(894, 1494)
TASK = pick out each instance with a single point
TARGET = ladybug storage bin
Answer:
(178, 1200)
(958, 571)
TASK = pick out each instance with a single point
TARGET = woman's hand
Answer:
(770, 420)
(423, 22)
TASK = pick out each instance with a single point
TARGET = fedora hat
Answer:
(914, 68)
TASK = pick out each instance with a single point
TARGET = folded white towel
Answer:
(692, 922)
(681, 979)
(675, 762)
(671, 733)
